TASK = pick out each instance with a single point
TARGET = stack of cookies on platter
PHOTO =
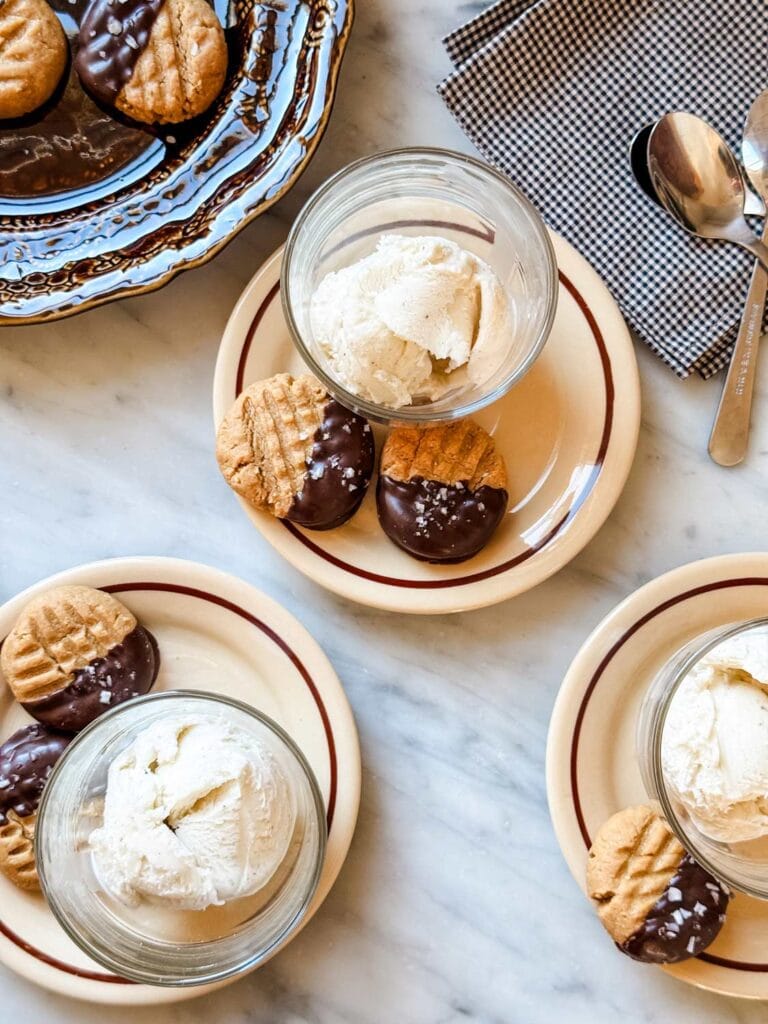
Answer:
(73, 653)
(288, 448)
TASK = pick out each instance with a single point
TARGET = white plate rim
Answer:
(196, 579)
(584, 520)
(640, 607)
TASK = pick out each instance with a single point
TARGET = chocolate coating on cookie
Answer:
(156, 61)
(657, 904)
(26, 760)
(442, 490)
(684, 920)
(289, 449)
(113, 34)
(128, 670)
(437, 522)
(339, 469)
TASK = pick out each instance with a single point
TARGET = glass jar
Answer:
(424, 192)
(742, 865)
(153, 943)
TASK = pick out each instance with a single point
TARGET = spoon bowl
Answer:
(698, 180)
(695, 173)
(638, 159)
(754, 146)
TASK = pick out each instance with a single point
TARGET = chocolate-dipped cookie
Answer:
(290, 449)
(157, 61)
(442, 490)
(75, 652)
(26, 760)
(657, 904)
(33, 55)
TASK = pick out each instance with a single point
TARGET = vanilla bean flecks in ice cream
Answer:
(196, 813)
(412, 320)
(714, 744)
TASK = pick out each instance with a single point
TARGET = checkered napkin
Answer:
(552, 92)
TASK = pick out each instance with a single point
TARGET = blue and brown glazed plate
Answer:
(93, 208)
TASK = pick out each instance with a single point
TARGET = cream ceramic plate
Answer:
(215, 633)
(592, 768)
(568, 433)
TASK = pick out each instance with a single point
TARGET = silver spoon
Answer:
(698, 180)
(730, 432)
(638, 158)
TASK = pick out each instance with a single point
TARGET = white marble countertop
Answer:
(455, 904)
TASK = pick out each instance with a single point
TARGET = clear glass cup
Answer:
(424, 192)
(159, 945)
(741, 865)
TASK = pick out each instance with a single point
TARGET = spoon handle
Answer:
(730, 432)
(758, 248)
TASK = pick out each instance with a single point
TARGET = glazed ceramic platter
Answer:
(92, 208)
(568, 434)
(219, 634)
(592, 768)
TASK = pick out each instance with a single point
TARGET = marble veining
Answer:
(455, 904)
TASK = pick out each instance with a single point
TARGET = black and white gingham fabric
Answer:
(552, 92)
(468, 39)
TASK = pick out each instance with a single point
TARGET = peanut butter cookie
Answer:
(26, 760)
(442, 490)
(657, 904)
(157, 61)
(75, 652)
(33, 55)
(290, 449)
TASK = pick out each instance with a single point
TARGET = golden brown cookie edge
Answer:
(243, 464)
(49, 61)
(120, 622)
(633, 857)
(21, 869)
(411, 451)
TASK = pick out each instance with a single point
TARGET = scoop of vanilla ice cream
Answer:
(413, 319)
(715, 741)
(196, 813)
(746, 652)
